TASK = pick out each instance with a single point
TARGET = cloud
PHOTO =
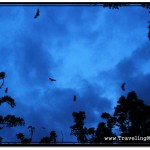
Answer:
(54, 110)
(85, 50)
(133, 70)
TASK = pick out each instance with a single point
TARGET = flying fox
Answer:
(123, 87)
(52, 79)
(37, 14)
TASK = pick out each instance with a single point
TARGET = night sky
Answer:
(89, 50)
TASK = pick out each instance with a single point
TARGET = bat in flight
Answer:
(52, 79)
(74, 98)
(37, 14)
(6, 90)
(123, 87)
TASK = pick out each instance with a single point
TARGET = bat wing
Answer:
(123, 87)
(37, 13)
(74, 98)
(52, 79)
(35, 16)
(6, 90)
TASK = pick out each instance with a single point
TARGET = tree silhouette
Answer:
(45, 140)
(130, 115)
(8, 120)
(2, 76)
(78, 128)
(110, 120)
(1, 140)
(85, 135)
(8, 100)
(25, 140)
(91, 135)
(50, 139)
(146, 5)
(31, 130)
(101, 132)
(53, 137)
(114, 5)
(22, 138)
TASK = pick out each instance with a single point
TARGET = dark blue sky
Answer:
(89, 50)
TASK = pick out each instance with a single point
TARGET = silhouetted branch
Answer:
(146, 5)
(9, 100)
(20, 136)
(114, 5)
(1, 139)
(31, 130)
(2, 76)
(45, 140)
(11, 121)
(50, 139)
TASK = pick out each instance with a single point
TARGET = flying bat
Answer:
(74, 98)
(6, 90)
(149, 35)
(37, 14)
(52, 79)
(123, 87)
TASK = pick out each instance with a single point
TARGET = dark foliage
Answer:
(114, 5)
(31, 130)
(146, 5)
(53, 137)
(8, 100)
(22, 138)
(50, 139)
(131, 116)
(85, 135)
(2, 75)
(45, 140)
(25, 140)
(109, 119)
(8, 120)
(1, 139)
(101, 132)
(78, 128)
